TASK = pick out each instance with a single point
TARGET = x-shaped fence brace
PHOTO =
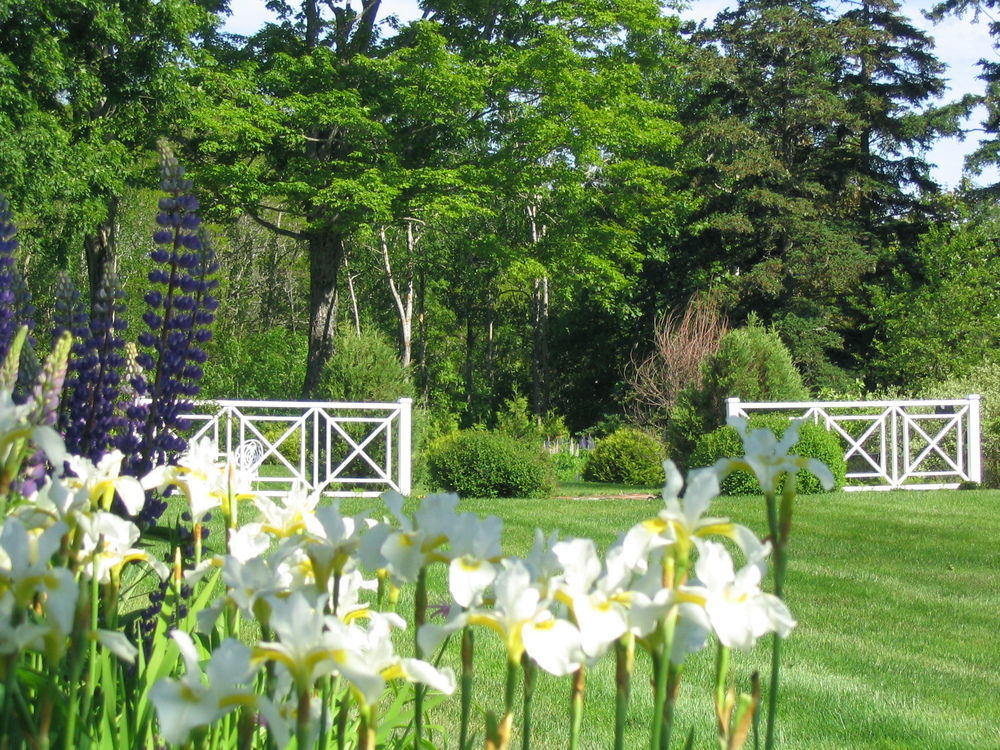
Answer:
(322, 428)
(896, 430)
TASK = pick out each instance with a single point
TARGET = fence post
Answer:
(405, 459)
(732, 406)
(975, 446)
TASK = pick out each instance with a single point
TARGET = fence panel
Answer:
(341, 449)
(895, 444)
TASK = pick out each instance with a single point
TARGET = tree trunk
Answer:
(100, 250)
(540, 348)
(422, 332)
(326, 256)
(470, 373)
(403, 298)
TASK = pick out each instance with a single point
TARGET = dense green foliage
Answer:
(477, 463)
(752, 364)
(626, 456)
(568, 467)
(814, 442)
(364, 368)
(263, 364)
(512, 193)
(984, 380)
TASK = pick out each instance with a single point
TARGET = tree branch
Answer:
(252, 213)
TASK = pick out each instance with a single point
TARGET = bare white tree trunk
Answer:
(403, 297)
(354, 298)
(539, 322)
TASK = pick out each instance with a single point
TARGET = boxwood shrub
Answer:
(476, 463)
(814, 442)
(626, 456)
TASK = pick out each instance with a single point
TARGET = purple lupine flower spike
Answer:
(90, 420)
(8, 244)
(180, 309)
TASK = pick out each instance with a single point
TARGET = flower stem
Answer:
(779, 537)
(624, 659)
(528, 668)
(660, 662)
(722, 655)
(88, 693)
(342, 720)
(302, 720)
(772, 691)
(505, 729)
(576, 707)
(419, 618)
(467, 666)
(366, 729)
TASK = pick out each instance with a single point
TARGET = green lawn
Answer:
(898, 600)
(897, 597)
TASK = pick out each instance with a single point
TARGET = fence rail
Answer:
(337, 448)
(895, 444)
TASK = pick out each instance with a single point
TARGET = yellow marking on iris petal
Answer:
(394, 672)
(722, 529)
(435, 542)
(565, 598)
(238, 699)
(488, 622)
(682, 597)
(656, 525)
(357, 614)
(545, 625)
(469, 563)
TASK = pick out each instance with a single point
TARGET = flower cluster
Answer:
(90, 419)
(8, 245)
(317, 590)
(15, 300)
(131, 403)
(181, 307)
(58, 531)
(667, 584)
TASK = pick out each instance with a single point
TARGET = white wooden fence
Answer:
(339, 448)
(914, 445)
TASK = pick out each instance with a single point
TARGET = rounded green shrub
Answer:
(364, 367)
(568, 467)
(476, 463)
(626, 456)
(753, 364)
(814, 442)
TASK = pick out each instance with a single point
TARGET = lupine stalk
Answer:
(90, 419)
(8, 244)
(181, 308)
(15, 300)
(45, 395)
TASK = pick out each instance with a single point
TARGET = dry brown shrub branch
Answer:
(681, 342)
